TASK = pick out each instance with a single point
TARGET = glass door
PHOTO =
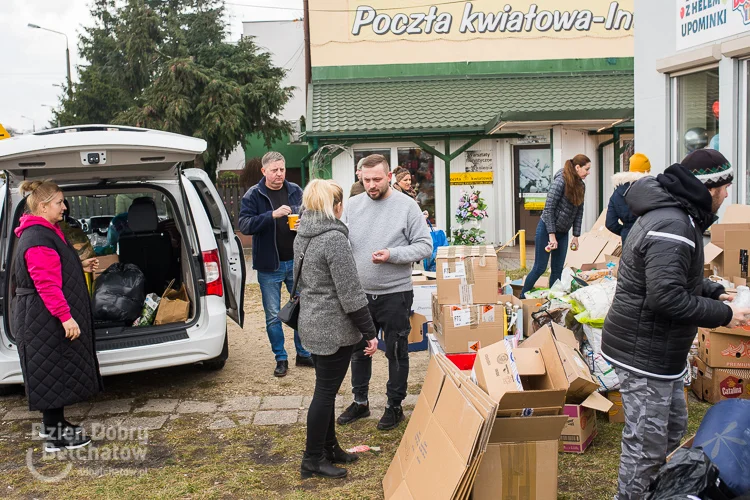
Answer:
(533, 172)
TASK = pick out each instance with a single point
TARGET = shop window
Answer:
(363, 153)
(744, 146)
(421, 164)
(697, 112)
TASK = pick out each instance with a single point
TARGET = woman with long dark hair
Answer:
(562, 211)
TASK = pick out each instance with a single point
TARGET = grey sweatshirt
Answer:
(395, 223)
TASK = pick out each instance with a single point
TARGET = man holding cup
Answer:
(264, 214)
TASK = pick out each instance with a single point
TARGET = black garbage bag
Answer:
(690, 473)
(119, 294)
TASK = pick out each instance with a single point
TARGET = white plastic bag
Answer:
(594, 337)
(596, 299)
(601, 369)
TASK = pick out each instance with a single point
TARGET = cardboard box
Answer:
(521, 459)
(580, 430)
(468, 328)
(445, 438)
(421, 308)
(530, 306)
(721, 350)
(514, 301)
(467, 275)
(104, 262)
(718, 384)
(514, 381)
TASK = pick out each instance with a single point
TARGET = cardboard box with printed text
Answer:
(468, 328)
(467, 275)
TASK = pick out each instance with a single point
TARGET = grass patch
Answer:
(187, 461)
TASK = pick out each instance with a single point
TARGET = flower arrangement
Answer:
(469, 237)
(471, 207)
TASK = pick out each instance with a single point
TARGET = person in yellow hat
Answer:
(619, 216)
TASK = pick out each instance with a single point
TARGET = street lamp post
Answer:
(67, 53)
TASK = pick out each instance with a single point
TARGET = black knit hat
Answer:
(710, 167)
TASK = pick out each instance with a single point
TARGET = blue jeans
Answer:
(541, 257)
(270, 291)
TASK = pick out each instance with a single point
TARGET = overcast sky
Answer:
(32, 61)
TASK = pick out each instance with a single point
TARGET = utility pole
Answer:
(67, 54)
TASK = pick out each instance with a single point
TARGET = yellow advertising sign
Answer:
(470, 178)
(357, 32)
(3, 133)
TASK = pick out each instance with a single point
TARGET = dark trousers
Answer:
(541, 257)
(390, 313)
(321, 422)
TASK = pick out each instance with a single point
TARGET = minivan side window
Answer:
(209, 204)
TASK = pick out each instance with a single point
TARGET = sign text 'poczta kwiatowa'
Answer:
(505, 20)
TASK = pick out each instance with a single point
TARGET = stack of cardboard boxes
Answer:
(465, 310)
(722, 368)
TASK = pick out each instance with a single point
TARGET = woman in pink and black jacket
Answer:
(52, 318)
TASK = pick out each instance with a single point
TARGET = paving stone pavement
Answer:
(280, 417)
(227, 414)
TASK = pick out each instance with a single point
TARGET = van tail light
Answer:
(212, 269)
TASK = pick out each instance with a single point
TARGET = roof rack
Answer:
(90, 128)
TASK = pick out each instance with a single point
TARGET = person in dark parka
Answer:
(619, 216)
(661, 300)
(52, 318)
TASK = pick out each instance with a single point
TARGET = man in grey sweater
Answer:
(387, 233)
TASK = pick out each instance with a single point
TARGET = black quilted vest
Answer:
(57, 372)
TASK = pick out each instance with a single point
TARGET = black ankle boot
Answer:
(336, 455)
(320, 466)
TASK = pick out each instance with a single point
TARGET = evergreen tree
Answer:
(165, 64)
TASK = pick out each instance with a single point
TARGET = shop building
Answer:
(463, 94)
(692, 64)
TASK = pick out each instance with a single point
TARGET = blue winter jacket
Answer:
(619, 216)
(256, 219)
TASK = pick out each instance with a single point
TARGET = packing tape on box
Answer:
(465, 293)
(519, 476)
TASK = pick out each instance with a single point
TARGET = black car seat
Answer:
(146, 247)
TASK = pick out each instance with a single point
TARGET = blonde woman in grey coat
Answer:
(333, 318)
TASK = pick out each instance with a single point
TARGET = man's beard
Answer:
(716, 202)
(379, 195)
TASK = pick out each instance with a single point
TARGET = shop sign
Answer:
(470, 178)
(705, 21)
(478, 161)
(388, 32)
(530, 19)
(534, 201)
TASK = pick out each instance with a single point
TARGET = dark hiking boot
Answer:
(353, 413)
(281, 368)
(305, 361)
(320, 467)
(393, 416)
(336, 455)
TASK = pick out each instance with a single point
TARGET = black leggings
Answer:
(321, 422)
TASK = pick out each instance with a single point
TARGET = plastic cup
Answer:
(292, 220)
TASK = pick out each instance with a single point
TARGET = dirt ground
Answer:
(249, 369)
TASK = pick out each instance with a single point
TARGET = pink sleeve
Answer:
(45, 270)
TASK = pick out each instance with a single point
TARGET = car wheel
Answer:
(219, 361)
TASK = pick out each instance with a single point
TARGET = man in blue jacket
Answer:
(263, 215)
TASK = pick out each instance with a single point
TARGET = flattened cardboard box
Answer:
(467, 275)
(718, 384)
(468, 328)
(720, 350)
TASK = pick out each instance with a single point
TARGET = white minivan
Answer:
(104, 169)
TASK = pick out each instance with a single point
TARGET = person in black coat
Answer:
(661, 300)
(619, 216)
(52, 319)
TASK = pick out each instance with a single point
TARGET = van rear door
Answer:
(230, 247)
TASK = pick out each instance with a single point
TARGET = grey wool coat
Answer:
(328, 285)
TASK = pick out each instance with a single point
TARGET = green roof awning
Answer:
(434, 106)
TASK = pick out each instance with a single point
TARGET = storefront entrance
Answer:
(533, 178)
